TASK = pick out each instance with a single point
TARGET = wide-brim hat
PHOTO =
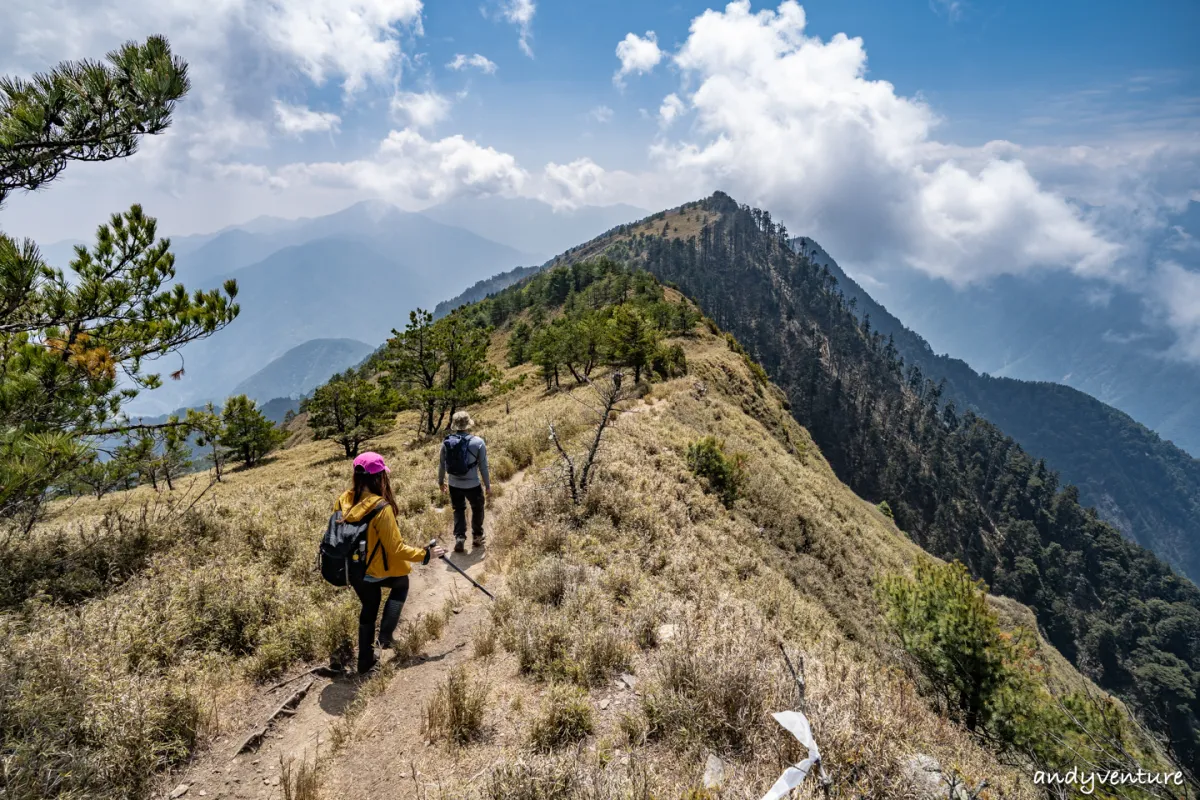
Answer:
(461, 421)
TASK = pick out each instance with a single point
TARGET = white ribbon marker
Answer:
(797, 725)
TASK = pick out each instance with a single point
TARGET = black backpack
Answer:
(343, 555)
(459, 460)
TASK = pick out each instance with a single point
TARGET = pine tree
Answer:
(413, 361)
(246, 433)
(176, 455)
(65, 338)
(351, 409)
(943, 621)
(463, 349)
(208, 427)
(546, 352)
(140, 458)
(633, 339)
(102, 476)
(518, 343)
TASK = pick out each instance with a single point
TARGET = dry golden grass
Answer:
(455, 712)
(682, 223)
(651, 576)
(564, 719)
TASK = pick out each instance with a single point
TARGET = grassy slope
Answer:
(587, 600)
(228, 598)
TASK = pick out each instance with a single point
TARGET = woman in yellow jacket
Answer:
(388, 555)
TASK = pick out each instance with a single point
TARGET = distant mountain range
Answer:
(1063, 328)
(1146, 487)
(303, 368)
(352, 275)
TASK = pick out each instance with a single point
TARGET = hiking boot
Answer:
(477, 543)
(370, 668)
(460, 544)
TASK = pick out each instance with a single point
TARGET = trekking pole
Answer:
(459, 570)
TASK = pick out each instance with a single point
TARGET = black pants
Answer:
(370, 593)
(459, 499)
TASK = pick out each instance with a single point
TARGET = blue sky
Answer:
(1033, 72)
(959, 138)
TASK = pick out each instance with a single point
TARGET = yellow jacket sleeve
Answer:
(388, 532)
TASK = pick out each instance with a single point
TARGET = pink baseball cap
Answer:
(371, 463)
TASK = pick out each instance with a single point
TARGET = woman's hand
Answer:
(437, 551)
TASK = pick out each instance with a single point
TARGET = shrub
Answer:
(541, 643)
(669, 362)
(715, 688)
(565, 718)
(885, 509)
(503, 469)
(633, 728)
(520, 448)
(73, 726)
(74, 566)
(521, 781)
(484, 641)
(434, 625)
(547, 583)
(302, 782)
(407, 643)
(942, 619)
(723, 473)
(987, 678)
(455, 712)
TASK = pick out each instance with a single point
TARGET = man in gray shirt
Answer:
(463, 462)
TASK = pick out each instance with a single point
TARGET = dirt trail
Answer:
(220, 772)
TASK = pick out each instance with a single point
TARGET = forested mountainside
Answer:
(482, 289)
(954, 481)
(1146, 487)
(1054, 326)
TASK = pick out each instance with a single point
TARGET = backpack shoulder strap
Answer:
(370, 515)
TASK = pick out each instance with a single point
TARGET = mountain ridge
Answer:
(955, 483)
(636, 633)
(1059, 328)
(303, 368)
(1146, 486)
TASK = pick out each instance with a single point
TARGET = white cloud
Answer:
(671, 108)
(477, 61)
(1177, 292)
(421, 109)
(408, 168)
(352, 38)
(520, 13)
(601, 114)
(242, 54)
(299, 120)
(637, 55)
(953, 9)
(791, 123)
(571, 185)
